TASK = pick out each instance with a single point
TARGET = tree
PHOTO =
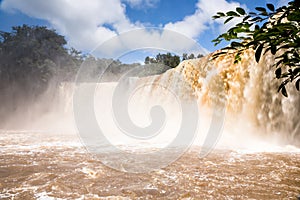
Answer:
(267, 30)
(33, 55)
(191, 56)
(166, 59)
(30, 56)
(184, 56)
(147, 60)
(200, 55)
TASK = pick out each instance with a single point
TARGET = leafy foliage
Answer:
(166, 59)
(30, 57)
(34, 54)
(267, 30)
(170, 60)
(185, 56)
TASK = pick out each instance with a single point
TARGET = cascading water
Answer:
(39, 165)
(250, 92)
(247, 89)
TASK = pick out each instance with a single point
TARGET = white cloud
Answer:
(165, 40)
(193, 25)
(89, 23)
(82, 22)
(282, 3)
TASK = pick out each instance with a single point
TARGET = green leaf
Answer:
(215, 16)
(283, 91)
(258, 52)
(256, 19)
(261, 9)
(236, 44)
(293, 17)
(297, 71)
(241, 30)
(278, 73)
(251, 44)
(218, 54)
(228, 19)
(298, 84)
(240, 10)
(246, 18)
(237, 58)
(232, 13)
(273, 49)
(220, 14)
(271, 7)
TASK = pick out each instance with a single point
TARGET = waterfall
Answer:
(249, 90)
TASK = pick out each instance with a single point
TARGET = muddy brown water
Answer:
(58, 167)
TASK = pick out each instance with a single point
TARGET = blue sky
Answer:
(88, 23)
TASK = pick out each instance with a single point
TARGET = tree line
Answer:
(35, 54)
(169, 59)
(33, 57)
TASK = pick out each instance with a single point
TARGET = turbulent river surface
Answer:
(58, 167)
